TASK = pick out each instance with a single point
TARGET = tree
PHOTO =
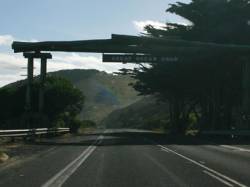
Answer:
(210, 83)
(61, 97)
(62, 102)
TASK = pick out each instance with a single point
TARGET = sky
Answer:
(47, 20)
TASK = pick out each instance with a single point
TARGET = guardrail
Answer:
(32, 132)
(231, 133)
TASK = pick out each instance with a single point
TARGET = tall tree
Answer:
(211, 82)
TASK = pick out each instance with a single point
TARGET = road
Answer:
(127, 158)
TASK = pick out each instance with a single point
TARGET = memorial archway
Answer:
(131, 49)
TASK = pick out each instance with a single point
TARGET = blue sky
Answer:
(34, 20)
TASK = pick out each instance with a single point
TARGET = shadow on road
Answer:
(139, 138)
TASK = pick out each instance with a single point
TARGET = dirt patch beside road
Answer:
(12, 153)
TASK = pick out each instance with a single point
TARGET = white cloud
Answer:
(10, 68)
(139, 25)
(78, 61)
(11, 64)
(6, 79)
(10, 60)
(6, 39)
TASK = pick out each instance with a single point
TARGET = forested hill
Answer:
(147, 113)
(103, 92)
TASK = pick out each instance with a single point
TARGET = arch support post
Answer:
(43, 71)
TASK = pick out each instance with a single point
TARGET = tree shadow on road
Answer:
(139, 138)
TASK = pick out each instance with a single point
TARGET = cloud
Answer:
(10, 68)
(6, 79)
(6, 40)
(10, 60)
(139, 25)
(75, 60)
(12, 65)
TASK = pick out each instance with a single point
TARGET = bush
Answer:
(88, 124)
(60, 96)
(75, 125)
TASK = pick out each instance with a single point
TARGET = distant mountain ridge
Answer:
(146, 113)
(104, 92)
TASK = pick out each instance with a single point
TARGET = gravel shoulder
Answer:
(21, 151)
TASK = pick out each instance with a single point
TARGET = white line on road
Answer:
(165, 150)
(205, 167)
(58, 179)
(235, 148)
(218, 178)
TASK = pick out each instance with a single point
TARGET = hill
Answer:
(146, 113)
(103, 92)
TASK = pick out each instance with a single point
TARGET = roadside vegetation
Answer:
(202, 91)
(63, 103)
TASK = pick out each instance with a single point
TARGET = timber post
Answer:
(43, 70)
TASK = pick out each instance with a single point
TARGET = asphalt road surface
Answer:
(127, 158)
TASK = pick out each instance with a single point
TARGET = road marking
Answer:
(205, 167)
(165, 150)
(218, 178)
(58, 179)
(176, 179)
(236, 148)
